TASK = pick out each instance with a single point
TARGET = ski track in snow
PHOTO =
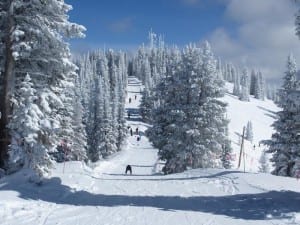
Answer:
(103, 195)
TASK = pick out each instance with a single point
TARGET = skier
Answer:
(137, 131)
(128, 114)
(129, 100)
(135, 97)
(131, 133)
(128, 169)
(138, 138)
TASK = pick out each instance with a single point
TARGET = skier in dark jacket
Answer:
(131, 133)
(128, 169)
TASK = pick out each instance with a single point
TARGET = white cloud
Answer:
(263, 37)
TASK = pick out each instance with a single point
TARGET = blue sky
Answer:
(120, 23)
(258, 34)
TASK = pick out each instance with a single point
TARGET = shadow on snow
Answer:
(261, 206)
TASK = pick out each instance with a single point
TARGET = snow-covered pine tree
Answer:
(79, 139)
(85, 79)
(236, 85)
(244, 96)
(213, 136)
(108, 145)
(35, 45)
(228, 72)
(297, 23)
(249, 131)
(147, 102)
(163, 118)
(264, 163)
(91, 120)
(259, 87)
(189, 125)
(253, 82)
(26, 148)
(285, 142)
(114, 94)
(122, 77)
(262, 86)
(138, 62)
(294, 98)
(226, 155)
(219, 69)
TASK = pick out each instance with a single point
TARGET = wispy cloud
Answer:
(263, 37)
(122, 25)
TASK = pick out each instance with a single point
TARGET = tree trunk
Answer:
(8, 82)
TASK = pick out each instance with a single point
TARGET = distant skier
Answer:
(135, 97)
(129, 100)
(138, 138)
(137, 131)
(128, 114)
(131, 133)
(128, 169)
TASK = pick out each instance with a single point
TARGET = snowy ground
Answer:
(261, 114)
(104, 195)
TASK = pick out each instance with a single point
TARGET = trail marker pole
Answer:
(242, 148)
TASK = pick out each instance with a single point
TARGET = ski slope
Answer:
(101, 194)
(262, 115)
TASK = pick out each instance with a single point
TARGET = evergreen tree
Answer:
(107, 121)
(226, 155)
(264, 165)
(26, 148)
(121, 102)
(249, 131)
(79, 139)
(285, 142)
(262, 86)
(253, 82)
(147, 103)
(35, 45)
(219, 69)
(189, 124)
(244, 96)
(259, 87)
(236, 86)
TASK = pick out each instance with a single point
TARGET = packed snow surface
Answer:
(101, 194)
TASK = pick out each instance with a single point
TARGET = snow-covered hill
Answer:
(103, 195)
(261, 114)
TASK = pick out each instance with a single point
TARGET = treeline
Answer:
(247, 82)
(102, 83)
